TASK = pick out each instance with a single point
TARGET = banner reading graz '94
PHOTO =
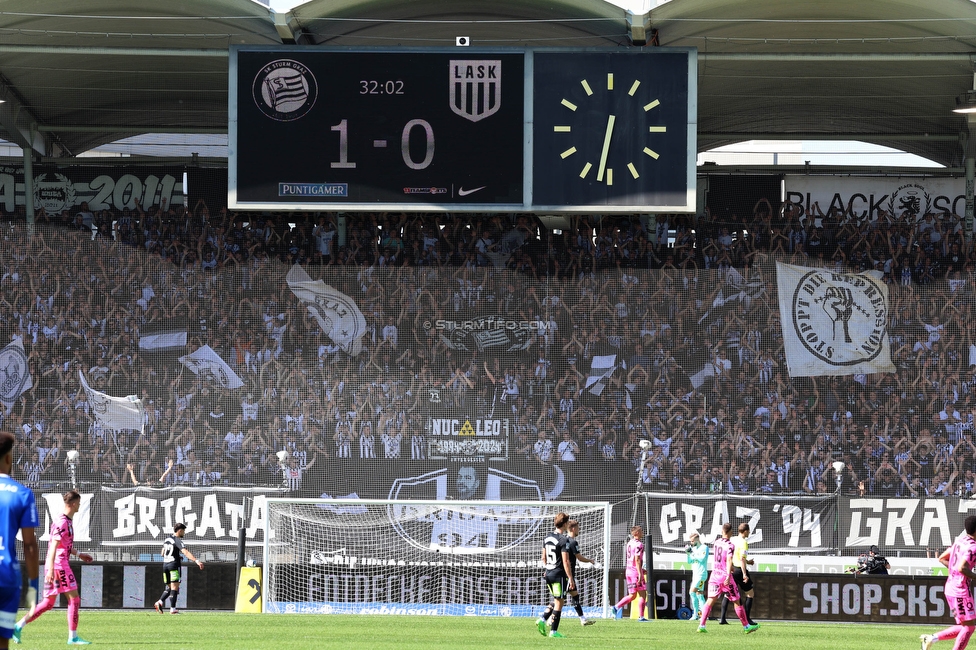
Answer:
(213, 515)
(102, 188)
(777, 524)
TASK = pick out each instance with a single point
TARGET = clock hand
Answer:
(606, 147)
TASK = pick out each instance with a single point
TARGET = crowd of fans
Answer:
(666, 297)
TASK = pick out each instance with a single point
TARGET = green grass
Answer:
(226, 631)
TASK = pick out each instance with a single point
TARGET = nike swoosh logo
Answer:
(464, 192)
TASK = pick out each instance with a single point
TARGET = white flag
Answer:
(833, 323)
(337, 314)
(15, 377)
(114, 412)
(209, 366)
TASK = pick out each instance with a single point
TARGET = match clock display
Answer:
(611, 129)
(368, 129)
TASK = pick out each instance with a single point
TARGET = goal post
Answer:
(460, 558)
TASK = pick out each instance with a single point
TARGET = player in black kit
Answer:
(559, 574)
(173, 552)
(572, 547)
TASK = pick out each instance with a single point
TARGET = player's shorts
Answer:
(744, 585)
(557, 586)
(716, 589)
(635, 582)
(962, 607)
(9, 602)
(171, 575)
(64, 581)
(699, 582)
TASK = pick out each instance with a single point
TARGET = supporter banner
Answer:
(866, 196)
(897, 523)
(213, 516)
(841, 598)
(103, 188)
(778, 524)
(466, 439)
(833, 323)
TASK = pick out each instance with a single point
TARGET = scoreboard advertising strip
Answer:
(462, 129)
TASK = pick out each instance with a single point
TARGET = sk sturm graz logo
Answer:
(13, 372)
(911, 199)
(54, 196)
(840, 318)
(475, 88)
(285, 90)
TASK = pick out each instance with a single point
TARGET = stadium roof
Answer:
(882, 71)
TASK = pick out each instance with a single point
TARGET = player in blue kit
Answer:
(18, 512)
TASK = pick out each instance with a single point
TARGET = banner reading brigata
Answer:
(213, 515)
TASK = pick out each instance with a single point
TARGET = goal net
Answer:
(461, 558)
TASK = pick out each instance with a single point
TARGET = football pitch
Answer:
(228, 631)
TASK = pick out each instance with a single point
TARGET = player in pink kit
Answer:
(959, 559)
(721, 581)
(636, 576)
(58, 576)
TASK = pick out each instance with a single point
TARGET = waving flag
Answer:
(114, 412)
(209, 366)
(336, 313)
(15, 377)
(833, 323)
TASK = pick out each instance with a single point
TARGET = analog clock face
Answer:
(610, 129)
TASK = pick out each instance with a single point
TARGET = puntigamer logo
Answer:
(285, 90)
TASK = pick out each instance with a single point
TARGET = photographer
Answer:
(872, 563)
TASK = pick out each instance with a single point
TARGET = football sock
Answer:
(740, 611)
(706, 610)
(623, 601)
(555, 620)
(748, 605)
(43, 606)
(948, 633)
(963, 638)
(546, 614)
(577, 605)
(173, 596)
(641, 604)
(74, 606)
(697, 601)
(165, 595)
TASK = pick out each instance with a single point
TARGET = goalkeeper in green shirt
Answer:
(697, 554)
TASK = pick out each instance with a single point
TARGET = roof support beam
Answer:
(863, 137)
(840, 57)
(113, 51)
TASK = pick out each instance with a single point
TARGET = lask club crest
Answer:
(475, 88)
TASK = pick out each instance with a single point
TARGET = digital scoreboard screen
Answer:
(461, 129)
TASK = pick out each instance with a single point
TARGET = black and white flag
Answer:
(833, 323)
(15, 377)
